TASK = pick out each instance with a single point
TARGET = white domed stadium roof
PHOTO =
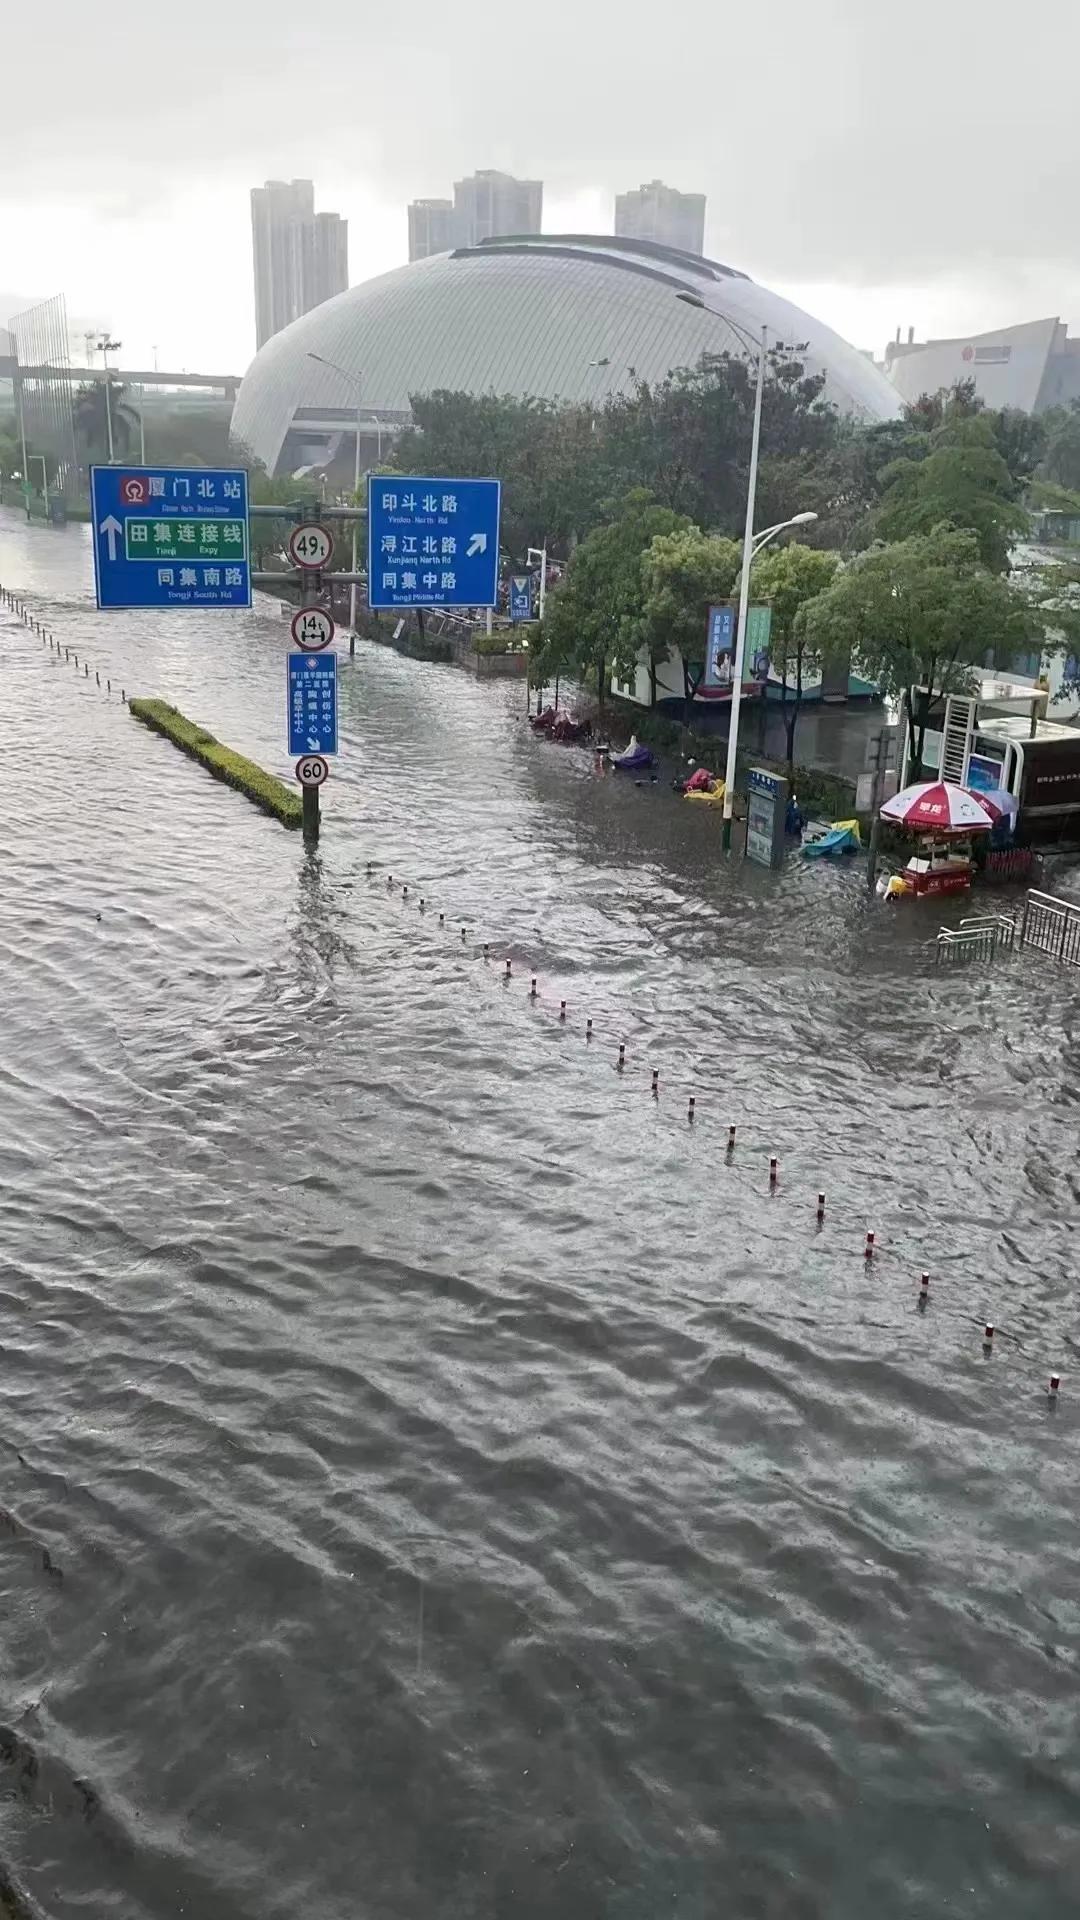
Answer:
(524, 316)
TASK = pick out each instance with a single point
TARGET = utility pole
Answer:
(881, 748)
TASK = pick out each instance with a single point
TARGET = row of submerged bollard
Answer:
(48, 639)
(872, 1250)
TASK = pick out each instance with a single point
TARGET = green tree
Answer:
(91, 415)
(1061, 461)
(593, 619)
(963, 483)
(687, 439)
(683, 574)
(544, 454)
(791, 578)
(921, 617)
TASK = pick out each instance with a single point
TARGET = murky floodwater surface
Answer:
(435, 1479)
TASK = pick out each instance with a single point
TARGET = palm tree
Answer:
(91, 415)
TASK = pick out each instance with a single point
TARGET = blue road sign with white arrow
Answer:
(311, 693)
(170, 537)
(432, 543)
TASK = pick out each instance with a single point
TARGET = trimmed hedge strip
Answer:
(269, 793)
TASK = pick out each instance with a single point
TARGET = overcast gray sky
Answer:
(914, 163)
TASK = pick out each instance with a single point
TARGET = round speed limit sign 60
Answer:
(312, 769)
(312, 628)
(310, 545)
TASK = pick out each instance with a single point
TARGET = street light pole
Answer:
(539, 553)
(44, 479)
(22, 420)
(105, 347)
(744, 599)
(751, 547)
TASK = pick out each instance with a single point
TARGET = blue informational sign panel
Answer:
(520, 596)
(312, 703)
(719, 647)
(766, 812)
(432, 543)
(170, 537)
(721, 634)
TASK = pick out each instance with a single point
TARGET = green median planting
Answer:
(267, 792)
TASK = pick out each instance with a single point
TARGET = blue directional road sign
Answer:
(432, 543)
(170, 537)
(520, 596)
(312, 703)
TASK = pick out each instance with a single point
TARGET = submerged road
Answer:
(435, 1479)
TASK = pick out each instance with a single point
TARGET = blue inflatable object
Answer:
(843, 838)
(634, 759)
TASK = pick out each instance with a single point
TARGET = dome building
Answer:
(559, 317)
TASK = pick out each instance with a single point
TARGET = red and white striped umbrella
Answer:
(938, 806)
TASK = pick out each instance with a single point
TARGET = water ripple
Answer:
(433, 1476)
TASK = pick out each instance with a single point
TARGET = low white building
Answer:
(1032, 367)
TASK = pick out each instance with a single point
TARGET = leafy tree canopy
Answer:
(1061, 461)
(91, 410)
(963, 483)
(683, 574)
(594, 619)
(791, 578)
(925, 612)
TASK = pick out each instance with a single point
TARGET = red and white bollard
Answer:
(588, 1029)
(656, 1079)
(509, 969)
(731, 1139)
(924, 1286)
(868, 1249)
(821, 1206)
(690, 1108)
(774, 1170)
(622, 1053)
(1055, 1382)
(562, 1009)
(988, 1334)
(532, 988)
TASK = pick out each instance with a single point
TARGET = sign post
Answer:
(311, 680)
(432, 542)
(174, 537)
(520, 597)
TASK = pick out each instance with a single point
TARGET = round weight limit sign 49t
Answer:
(310, 545)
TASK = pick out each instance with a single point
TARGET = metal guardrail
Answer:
(1052, 926)
(980, 938)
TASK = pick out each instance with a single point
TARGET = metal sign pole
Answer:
(310, 594)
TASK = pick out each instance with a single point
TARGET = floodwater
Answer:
(435, 1478)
